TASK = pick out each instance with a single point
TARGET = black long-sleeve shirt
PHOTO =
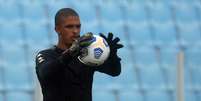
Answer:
(69, 80)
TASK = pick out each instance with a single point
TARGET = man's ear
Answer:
(57, 29)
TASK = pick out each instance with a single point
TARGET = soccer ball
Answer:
(96, 53)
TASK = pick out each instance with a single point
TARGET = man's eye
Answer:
(72, 26)
(69, 26)
(78, 26)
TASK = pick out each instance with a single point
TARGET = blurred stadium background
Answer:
(152, 31)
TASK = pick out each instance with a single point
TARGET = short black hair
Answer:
(64, 12)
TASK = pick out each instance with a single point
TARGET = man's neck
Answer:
(62, 46)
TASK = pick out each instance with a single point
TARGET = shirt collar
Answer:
(59, 50)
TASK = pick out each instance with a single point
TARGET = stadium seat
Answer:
(19, 96)
(169, 74)
(13, 53)
(125, 55)
(111, 12)
(130, 95)
(9, 11)
(86, 11)
(140, 34)
(168, 56)
(34, 11)
(136, 13)
(190, 1)
(45, 1)
(92, 26)
(17, 78)
(102, 80)
(158, 95)
(127, 79)
(103, 96)
(1, 79)
(11, 31)
(36, 32)
(1, 97)
(190, 33)
(160, 12)
(145, 56)
(53, 7)
(168, 62)
(197, 7)
(192, 56)
(190, 96)
(165, 34)
(152, 77)
(117, 28)
(192, 74)
(188, 76)
(185, 13)
(127, 76)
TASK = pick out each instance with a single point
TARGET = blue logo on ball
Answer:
(97, 53)
(93, 39)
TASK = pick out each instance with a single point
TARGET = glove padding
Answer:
(113, 43)
(79, 44)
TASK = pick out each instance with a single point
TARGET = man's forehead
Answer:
(72, 19)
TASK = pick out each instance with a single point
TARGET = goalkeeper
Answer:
(61, 75)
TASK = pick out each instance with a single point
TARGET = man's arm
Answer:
(111, 67)
(48, 65)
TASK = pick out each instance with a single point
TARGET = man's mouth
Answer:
(76, 37)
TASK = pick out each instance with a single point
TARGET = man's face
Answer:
(68, 29)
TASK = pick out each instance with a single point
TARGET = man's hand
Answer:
(113, 43)
(79, 44)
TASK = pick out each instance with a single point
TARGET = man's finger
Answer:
(118, 46)
(116, 40)
(102, 35)
(87, 36)
(85, 44)
(110, 36)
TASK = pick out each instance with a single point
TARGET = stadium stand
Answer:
(103, 95)
(18, 95)
(152, 31)
(10, 11)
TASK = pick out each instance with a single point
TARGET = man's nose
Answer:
(76, 35)
(76, 30)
